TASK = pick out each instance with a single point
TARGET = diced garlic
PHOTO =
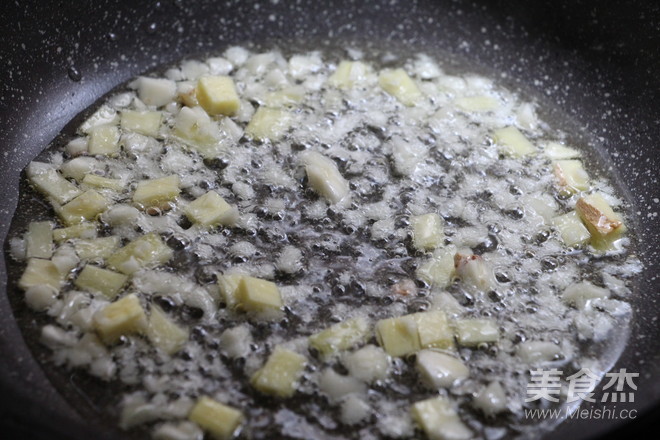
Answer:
(324, 177)
(354, 409)
(434, 330)
(368, 364)
(156, 91)
(98, 280)
(80, 166)
(349, 74)
(428, 232)
(104, 140)
(439, 270)
(40, 297)
(439, 420)
(145, 122)
(571, 229)
(337, 386)
(491, 399)
(398, 84)
(82, 230)
(513, 142)
(96, 181)
(217, 95)
(84, 207)
(581, 294)
(407, 155)
(39, 240)
(477, 103)
(194, 126)
(40, 272)
(235, 342)
(340, 337)
(105, 115)
(280, 374)
(288, 97)
(119, 318)
(571, 176)
(157, 192)
(268, 124)
(474, 271)
(178, 431)
(143, 252)
(119, 215)
(398, 336)
(557, 151)
(50, 183)
(164, 333)
(440, 370)
(218, 419)
(76, 147)
(211, 210)
(472, 332)
(605, 225)
(257, 295)
(538, 352)
(96, 248)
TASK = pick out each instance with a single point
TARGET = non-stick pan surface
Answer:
(595, 61)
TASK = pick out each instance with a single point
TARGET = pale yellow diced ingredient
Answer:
(95, 248)
(120, 318)
(477, 103)
(280, 375)
(472, 332)
(348, 74)
(211, 210)
(84, 207)
(440, 370)
(580, 294)
(571, 176)
(40, 272)
(439, 270)
(98, 280)
(217, 95)
(164, 333)
(146, 123)
(324, 176)
(434, 330)
(571, 229)
(398, 336)
(398, 84)
(50, 183)
(513, 142)
(340, 337)
(82, 230)
(228, 285)
(104, 140)
(289, 97)
(194, 126)
(219, 420)
(428, 232)
(268, 124)
(439, 420)
(257, 295)
(39, 240)
(557, 151)
(143, 252)
(605, 225)
(102, 182)
(155, 192)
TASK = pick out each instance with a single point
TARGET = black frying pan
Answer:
(595, 60)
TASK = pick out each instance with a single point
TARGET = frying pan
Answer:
(594, 61)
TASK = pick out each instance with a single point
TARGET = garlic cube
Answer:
(571, 229)
(348, 74)
(51, 183)
(86, 206)
(280, 374)
(82, 230)
(156, 91)
(491, 399)
(339, 337)
(324, 177)
(434, 330)
(474, 271)
(146, 123)
(143, 252)
(513, 142)
(164, 333)
(96, 248)
(477, 103)
(39, 240)
(571, 176)
(398, 336)
(219, 420)
(439, 270)
(217, 95)
(268, 124)
(119, 318)
(97, 280)
(40, 272)
(157, 192)
(104, 140)
(472, 332)
(368, 364)
(210, 210)
(338, 386)
(536, 352)
(557, 151)
(78, 167)
(605, 225)
(439, 370)
(194, 126)
(96, 181)
(580, 294)
(288, 97)
(428, 232)
(40, 297)
(228, 285)
(398, 84)
(439, 420)
(257, 295)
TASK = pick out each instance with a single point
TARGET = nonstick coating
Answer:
(595, 61)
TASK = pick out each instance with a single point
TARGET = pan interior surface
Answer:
(69, 93)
